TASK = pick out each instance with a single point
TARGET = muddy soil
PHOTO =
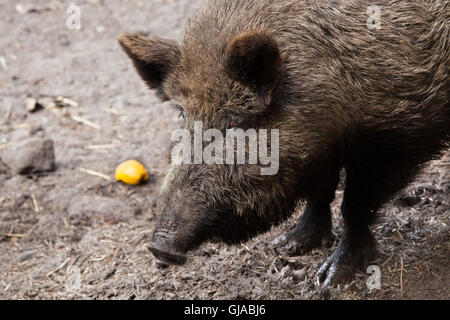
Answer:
(74, 235)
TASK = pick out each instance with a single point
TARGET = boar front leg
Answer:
(314, 227)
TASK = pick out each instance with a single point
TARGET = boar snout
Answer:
(175, 234)
(165, 245)
(163, 248)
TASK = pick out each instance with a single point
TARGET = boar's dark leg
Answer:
(314, 226)
(357, 246)
(367, 188)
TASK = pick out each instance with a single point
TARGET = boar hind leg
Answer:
(314, 227)
(366, 190)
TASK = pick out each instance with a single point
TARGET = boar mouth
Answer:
(171, 258)
(164, 250)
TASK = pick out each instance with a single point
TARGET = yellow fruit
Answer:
(131, 172)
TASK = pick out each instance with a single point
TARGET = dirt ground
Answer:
(74, 235)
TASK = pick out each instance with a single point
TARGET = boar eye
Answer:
(235, 122)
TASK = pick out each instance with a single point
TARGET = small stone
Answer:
(300, 275)
(33, 105)
(26, 255)
(63, 102)
(24, 8)
(31, 156)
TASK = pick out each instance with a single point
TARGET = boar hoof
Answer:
(302, 240)
(312, 231)
(297, 244)
(344, 263)
(302, 244)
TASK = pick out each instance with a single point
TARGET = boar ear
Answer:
(153, 58)
(254, 59)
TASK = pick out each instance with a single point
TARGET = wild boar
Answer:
(342, 94)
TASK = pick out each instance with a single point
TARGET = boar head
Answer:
(226, 84)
